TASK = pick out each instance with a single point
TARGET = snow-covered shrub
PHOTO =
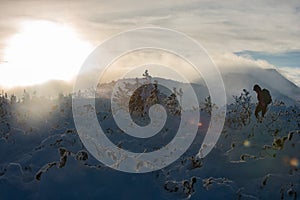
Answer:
(239, 113)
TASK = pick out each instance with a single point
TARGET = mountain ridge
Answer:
(234, 82)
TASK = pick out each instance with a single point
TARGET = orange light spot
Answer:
(200, 124)
(294, 162)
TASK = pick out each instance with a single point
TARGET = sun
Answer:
(41, 51)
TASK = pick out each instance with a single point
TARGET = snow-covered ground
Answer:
(42, 157)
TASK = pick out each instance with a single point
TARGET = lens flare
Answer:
(294, 162)
(246, 143)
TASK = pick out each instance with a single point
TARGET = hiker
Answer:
(264, 99)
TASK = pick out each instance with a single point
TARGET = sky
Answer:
(266, 33)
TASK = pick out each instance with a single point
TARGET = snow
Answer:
(42, 156)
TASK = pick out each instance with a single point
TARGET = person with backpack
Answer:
(264, 99)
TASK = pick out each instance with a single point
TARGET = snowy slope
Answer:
(280, 88)
(42, 157)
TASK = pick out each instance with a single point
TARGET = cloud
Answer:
(232, 61)
(222, 27)
(291, 73)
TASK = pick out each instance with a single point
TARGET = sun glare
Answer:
(42, 51)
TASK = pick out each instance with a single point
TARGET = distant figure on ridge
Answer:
(264, 99)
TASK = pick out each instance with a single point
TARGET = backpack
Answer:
(266, 96)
